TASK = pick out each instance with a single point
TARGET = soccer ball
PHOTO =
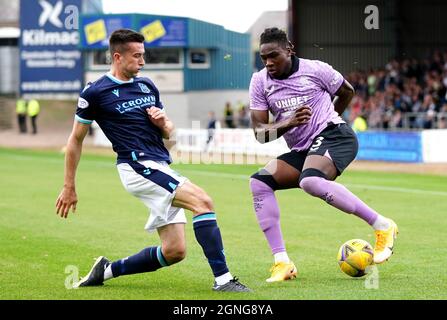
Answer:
(354, 256)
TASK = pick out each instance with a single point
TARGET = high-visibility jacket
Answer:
(21, 106)
(360, 124)
(33, 108)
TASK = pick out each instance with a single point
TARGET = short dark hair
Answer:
(274, 35)
(121, 37)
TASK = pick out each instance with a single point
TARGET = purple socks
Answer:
(339, 197)
(267, 210)
(267, 213)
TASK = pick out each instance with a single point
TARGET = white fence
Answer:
(427, 146)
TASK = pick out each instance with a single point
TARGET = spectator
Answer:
(229, 115)
(372, 82)
(396, 119)
(213, 124)
(33, 112)
(442, 117)
(21, 114)
(402, 85)
(243, 117)
(359, 124)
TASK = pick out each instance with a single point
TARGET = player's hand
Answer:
(301, 116)
(157, 116)
(67, 199)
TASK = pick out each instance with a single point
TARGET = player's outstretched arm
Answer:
(344, 97)
(266, 132)
(67, 198)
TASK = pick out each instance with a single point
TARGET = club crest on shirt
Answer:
(268, 91)
(144, 88)
(304, 81)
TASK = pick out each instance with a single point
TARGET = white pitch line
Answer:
(350, 185)
(241, 176)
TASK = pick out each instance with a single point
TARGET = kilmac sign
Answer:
(50, 61)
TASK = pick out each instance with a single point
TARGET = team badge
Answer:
(144, 88)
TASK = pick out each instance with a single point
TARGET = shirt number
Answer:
(317, 144)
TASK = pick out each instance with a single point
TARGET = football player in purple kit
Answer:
(129, 111)
(299, 94)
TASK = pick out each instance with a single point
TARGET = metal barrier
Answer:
(413, 121)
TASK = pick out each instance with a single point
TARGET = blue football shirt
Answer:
(119, 108)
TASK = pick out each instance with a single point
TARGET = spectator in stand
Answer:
(396, 119)
(405, 85)
(374, 115)
(442, 117)
(372, 82)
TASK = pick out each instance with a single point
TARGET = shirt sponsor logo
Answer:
(291, 103)
(147, 101)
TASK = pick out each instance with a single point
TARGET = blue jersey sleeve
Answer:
(87, 105)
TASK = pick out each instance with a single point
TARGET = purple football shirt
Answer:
(314, 85)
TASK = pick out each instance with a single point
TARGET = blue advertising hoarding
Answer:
(390, 146)
(164, 32)
(50, 61)
(158, 31)
(96, 30)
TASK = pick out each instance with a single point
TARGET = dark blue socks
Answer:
(148, 259)
(208, 236)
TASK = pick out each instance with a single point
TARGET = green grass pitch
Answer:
(40, 251)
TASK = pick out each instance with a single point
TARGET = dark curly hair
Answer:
(275, 35)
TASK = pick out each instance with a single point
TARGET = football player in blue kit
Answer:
(129, 111)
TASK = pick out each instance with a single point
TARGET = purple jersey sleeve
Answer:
(330, 79)
(256, 91)
(85, 113)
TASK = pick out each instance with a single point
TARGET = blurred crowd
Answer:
(408, 94)
(405, 94)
